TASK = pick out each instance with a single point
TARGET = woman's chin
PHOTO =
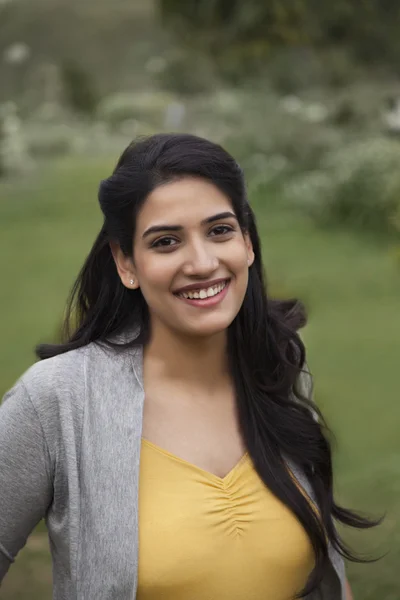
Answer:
(206, 328)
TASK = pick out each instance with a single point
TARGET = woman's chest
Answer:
(206, 434)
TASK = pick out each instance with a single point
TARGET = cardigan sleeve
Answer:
(25, 473)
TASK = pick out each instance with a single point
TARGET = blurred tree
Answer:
(82, 32)
(79, 88)
(248, 31)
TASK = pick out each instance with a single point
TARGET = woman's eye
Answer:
(221, 230)
(165, 242)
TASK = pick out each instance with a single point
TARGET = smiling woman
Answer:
(171, 441)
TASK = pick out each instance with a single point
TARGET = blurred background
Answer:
(306, 95)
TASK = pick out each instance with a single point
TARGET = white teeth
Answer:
(205, 293)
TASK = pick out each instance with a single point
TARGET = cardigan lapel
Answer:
(111, 442)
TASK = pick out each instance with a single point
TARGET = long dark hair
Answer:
(267, 357)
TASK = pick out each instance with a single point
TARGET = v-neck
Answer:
(208, 474)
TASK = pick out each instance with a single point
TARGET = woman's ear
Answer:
(250, 251)
(125, 267)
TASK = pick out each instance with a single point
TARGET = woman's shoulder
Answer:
(59, 379)
(64, 377)
(51, 374)
(47, 394)
(54, 393)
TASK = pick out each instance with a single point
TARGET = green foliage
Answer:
(187, 72)
(238, 36)
(79, 88)
(293, 69)
(251, 30)
(112, 39)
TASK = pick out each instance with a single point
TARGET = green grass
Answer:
(351, 288)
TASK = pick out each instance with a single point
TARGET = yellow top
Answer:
(203, 537)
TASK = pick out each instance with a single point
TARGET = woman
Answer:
(171, 442)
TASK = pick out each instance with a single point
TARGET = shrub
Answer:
(357, 185)
(51, 141)
(149, 107)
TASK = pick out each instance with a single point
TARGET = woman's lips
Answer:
(209, 301)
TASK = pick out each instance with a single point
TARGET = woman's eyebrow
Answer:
(218, 217)
(160, 228)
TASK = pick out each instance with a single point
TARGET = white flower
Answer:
(315, 113)
(16, 53)
(156, 64)
(292, 104)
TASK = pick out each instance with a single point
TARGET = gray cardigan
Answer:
(70, 439)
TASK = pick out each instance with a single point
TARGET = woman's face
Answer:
(187, 235)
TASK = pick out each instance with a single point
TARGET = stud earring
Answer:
(132, 281)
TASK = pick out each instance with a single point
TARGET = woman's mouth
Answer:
(205, 297)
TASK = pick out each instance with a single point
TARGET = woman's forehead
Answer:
(188, 200)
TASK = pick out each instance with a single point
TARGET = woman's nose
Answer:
(200, 261)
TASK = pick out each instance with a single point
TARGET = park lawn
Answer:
(351, 287)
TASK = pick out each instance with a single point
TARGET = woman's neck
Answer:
(201, 362)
